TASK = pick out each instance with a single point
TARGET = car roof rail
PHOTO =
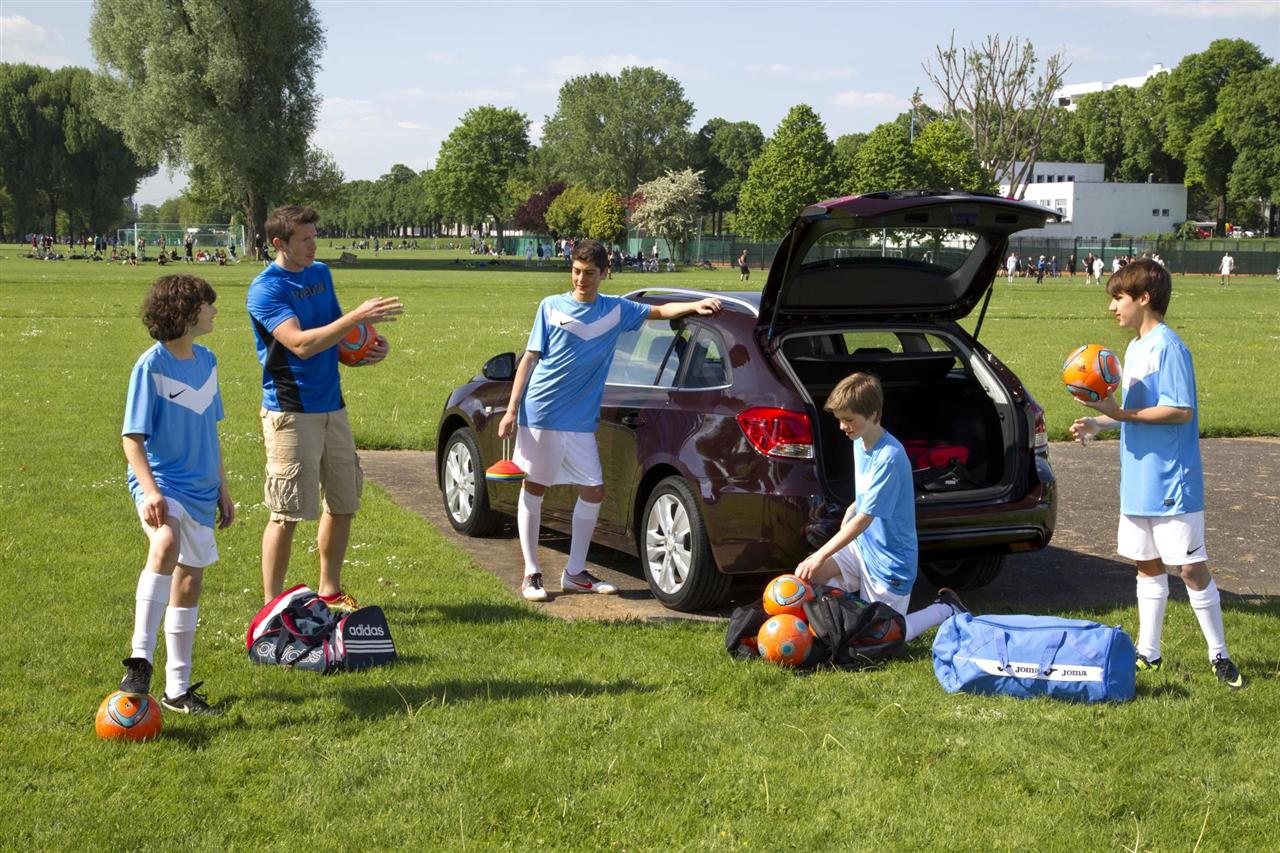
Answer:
(697, 294)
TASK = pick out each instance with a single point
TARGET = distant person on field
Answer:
(875, 553)
(555, 403)
(1011, 265)
(1161, 476)
(311, 454)
(1098, 266)
(177, 480)
(744, 269)
(1225, 268)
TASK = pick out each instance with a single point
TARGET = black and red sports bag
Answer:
(848, 632)
(297, 629)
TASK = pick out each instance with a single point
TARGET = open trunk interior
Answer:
(934, 403)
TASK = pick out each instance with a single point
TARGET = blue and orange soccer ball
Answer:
(787, 594)
(1091, 373)
(356, 345)
(784, 639)
(125, 716)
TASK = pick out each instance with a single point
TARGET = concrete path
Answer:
(1078, 570)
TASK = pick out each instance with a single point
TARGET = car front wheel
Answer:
(466, 500)
(964, 574)
(674, 550)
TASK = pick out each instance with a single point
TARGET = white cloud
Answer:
(869, 100)
(1081, 52)
(410, 125)
(535, 131)
(1206, 9)
(575, 65)
(519, 70)
(772, 68)
(481, 95)
(812, 75)
(23, 40)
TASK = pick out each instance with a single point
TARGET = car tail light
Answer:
(778, 432)
(1040, 436)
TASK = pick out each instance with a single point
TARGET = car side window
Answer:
(708, 367)
(640, 354)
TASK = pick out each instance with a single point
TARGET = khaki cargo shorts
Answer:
(311, 457)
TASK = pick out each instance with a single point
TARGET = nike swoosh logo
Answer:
(176, 393)
(565, 322)
(1191, 551)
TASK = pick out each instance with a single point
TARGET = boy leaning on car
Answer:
(556, 397)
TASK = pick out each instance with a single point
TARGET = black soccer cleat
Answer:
(1228, 673)
(137, 677)
(948, 596)
(192, 703)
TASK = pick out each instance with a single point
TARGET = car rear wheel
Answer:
(466, 500)
(964, 574)
(674, 550)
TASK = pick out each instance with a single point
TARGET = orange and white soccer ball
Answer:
(1091, 373)
(125, 716)
(787, 594)
(356, 345)
(784, 639)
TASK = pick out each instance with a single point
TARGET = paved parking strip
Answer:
(1078, 570)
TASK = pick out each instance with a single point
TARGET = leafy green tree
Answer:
(617, 131)
(1249, 110)
(723, 152)
(796, 168)
(1063, 138)
(847, 158)
(1101, 117)
(607, 218)
(885, 161)
(22, 134)
(945, 158)
(478, 158)
(567, 214)
(1145, 126)
(669, 207)
(227, 86)
(1194, 134)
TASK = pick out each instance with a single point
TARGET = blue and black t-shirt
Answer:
(290, 383)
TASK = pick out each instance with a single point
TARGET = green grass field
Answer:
(503, 728)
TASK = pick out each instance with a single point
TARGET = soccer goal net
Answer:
(208, 242)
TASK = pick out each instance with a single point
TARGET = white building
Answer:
(1068, 95)
(1092, 207)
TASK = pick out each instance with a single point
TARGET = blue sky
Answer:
(396, 77)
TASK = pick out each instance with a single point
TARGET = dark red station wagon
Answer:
(718, 457)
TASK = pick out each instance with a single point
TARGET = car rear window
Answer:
(639, 355)
(937, 250)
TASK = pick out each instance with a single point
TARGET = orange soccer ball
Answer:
(785, 640)
(1091, 373)
(787, 594)
(123, 716)
(356, 345)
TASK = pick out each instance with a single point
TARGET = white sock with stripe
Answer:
(179, 639)
(149, 602)
(585, 515)
(528, 523)
(1207, 604)
(1153, 596)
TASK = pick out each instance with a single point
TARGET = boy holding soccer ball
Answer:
(177, 480)
(1161, 478)
(874, 553)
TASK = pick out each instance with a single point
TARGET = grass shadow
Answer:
(380, 701)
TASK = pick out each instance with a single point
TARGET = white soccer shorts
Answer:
(553, 457)
(1177, 540)
(855, 579)
(196, 546)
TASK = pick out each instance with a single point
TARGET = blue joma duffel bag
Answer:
(1025, 656)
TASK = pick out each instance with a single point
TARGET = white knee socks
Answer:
(1153, 596)
(1207, 605)
(528, 523)
(925, 618)
(148, 609)
(179, 637)
(585, 515)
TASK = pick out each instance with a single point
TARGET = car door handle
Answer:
(632, 420)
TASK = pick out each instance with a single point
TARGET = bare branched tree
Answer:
(992, 90)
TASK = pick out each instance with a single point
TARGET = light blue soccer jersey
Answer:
(175, 404)
(576, 341)
(882, 480)
(1160, 468)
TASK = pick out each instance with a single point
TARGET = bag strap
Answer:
(1050, 652)
(1002, 649)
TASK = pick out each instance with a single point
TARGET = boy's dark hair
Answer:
(283, 219)
(173, 304)
(858, 394)
(593, 252)
(1144, 276)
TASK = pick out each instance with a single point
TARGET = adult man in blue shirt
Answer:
(556, 395)
(297, 324)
